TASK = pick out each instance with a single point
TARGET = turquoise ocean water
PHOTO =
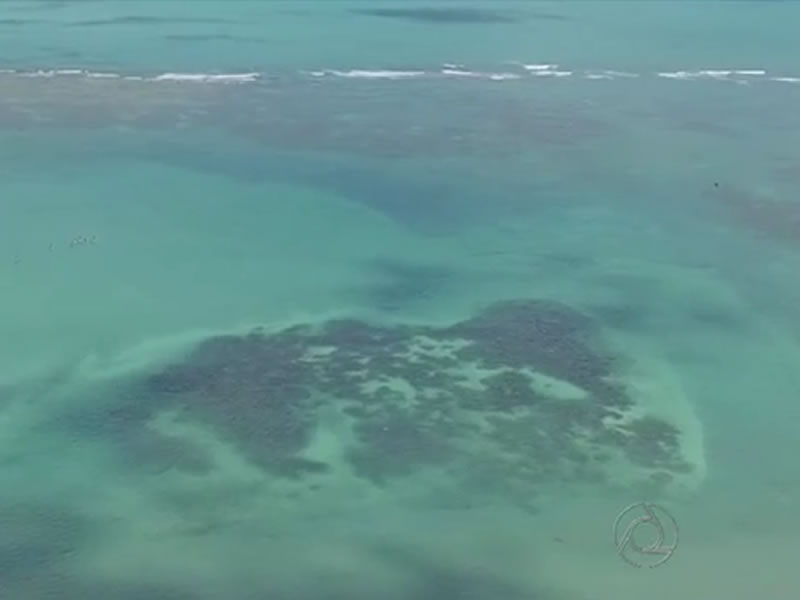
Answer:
(393, 299)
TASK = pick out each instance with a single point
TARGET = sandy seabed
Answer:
(111, 515)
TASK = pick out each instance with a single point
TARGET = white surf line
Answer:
(207, 77)
(740, 76)
(734, 75)
(745, 76)
(451, 72)
(173, 76)
(368, 74)
(609, 74)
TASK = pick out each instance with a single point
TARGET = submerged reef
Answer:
(776, 218)
(309, 114)
(521, 393)
(439, 15)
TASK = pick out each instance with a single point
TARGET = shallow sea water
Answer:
(259, 262)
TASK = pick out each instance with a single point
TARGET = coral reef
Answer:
(776, 217)
(36, 538)
(395, 443)
(418, 397)
(438, 15)
(311, 115)
(253, 390)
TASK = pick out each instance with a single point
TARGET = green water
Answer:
(632, 187)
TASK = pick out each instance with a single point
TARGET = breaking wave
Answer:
(517, 71)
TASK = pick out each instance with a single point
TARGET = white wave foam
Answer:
(458, 73)
(620, 74)
(609, 74)
(719, 74)
(236, 77)
(548, 73)
(178, 77)
(479, 75)
(103, 75)
(745, 76)
(503, 76)
(677, 75)
(544, 70)
(715, 73)
(38, 73)
(207, 78)
(541, 67)
(380, 74)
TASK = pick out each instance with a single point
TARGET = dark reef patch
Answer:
(209, 37)
(546, 336)
(37, 6)
(253, 390)
(777, 218)
(653, 442)
(448, 206)
(416, 397)
(18, 22)
(628, 316)
(404, 285)
(157, 453)
(123, 422)
(49, 585)
(509, 390)
(63, 53)
(448, 15)
(717, 317)
(394, 444)
(37, 538)
(327, 118)
(148, 20)
(108, 418)
(429, 579)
